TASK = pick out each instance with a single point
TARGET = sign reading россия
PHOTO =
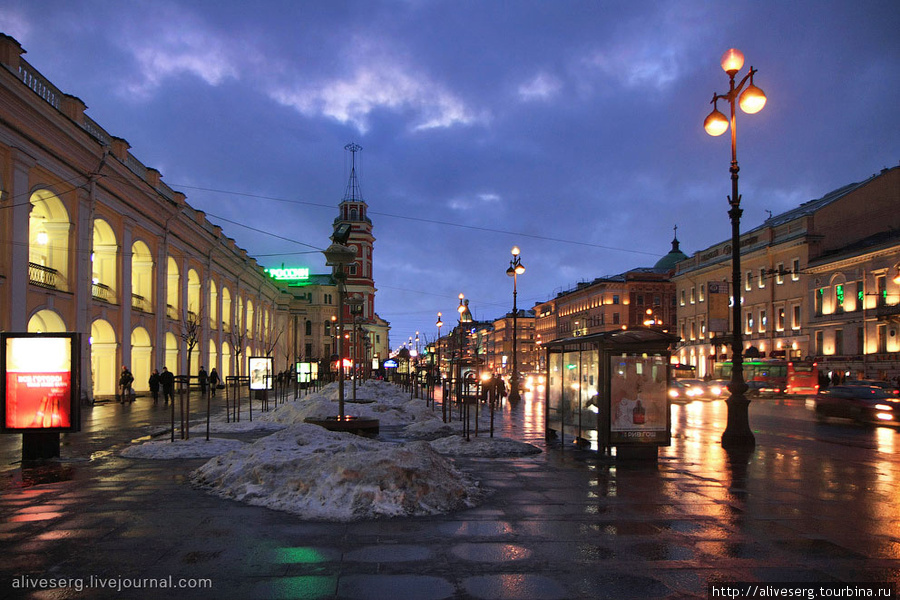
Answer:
(289, 274)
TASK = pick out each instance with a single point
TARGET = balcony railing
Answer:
(887, 311)
(140, 303)
(42, 276)
(101, 292)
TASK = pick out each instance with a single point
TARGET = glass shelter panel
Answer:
(638, 399)
(554, 392)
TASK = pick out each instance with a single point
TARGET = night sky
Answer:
(572, 129)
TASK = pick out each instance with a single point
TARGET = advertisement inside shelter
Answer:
(38, 383)
(639, 411)
(261, 371)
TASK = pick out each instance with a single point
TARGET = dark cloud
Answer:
(573, 130)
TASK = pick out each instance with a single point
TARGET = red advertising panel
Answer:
(39, 382)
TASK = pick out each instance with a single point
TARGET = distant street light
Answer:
(737, 431)
(515, 269)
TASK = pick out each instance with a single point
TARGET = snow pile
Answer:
(485, 447)
(384, 402)
(324, 475)
(197, 447)
(428, 429)
(243, 426)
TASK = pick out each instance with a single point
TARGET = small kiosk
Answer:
(609, 390)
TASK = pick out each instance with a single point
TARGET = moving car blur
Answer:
(867, 405)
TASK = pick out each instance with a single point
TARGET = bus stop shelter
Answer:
(610, 389)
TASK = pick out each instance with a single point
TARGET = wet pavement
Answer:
(812, 503)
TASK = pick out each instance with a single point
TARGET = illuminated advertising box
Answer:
(307, 372)
(39, 382)
(262, 369)
(639, 402)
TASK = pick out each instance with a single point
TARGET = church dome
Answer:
(667, 263)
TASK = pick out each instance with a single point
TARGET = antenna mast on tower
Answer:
(353, 192)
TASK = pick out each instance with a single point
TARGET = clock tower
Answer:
(360, 283)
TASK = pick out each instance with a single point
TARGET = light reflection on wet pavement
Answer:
(812, 503)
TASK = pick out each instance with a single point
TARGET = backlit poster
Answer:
(307, 372)
(261, 373)
(639, 408)
(39, 382)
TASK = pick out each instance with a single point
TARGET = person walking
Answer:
(213, 381)
(203, 378)
(125, 379)
(154, 385)
(167, 379)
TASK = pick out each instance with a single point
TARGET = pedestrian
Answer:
(167, 379)
(154, 385)
(202, 378)
(125, 379)
(213, 382)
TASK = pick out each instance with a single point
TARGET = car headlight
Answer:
(883, 407)
(673, 393)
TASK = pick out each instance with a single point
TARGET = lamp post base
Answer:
(737, 432)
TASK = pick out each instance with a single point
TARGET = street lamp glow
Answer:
(732, 60)
(753, 99)
(716, 123)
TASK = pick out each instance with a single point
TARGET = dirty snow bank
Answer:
(324, 475)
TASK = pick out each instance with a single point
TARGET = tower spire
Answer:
(353, 193)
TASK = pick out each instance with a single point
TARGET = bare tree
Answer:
(191, 329)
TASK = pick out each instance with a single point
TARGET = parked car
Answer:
(863, 404)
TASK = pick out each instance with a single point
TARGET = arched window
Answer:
(172, 290)
(308, 327)
(103, 262)
(48, 241)
(194, 305)
(141, 277)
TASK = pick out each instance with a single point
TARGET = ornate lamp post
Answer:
(515, 269)
(356, 310)
(336, 256)
(439, 382)
(737, 431)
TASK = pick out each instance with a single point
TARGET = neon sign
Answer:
(289, 274)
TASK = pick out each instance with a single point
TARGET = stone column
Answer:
(20, 209)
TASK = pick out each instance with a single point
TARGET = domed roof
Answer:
(668, 262)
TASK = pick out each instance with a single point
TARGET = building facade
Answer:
(640, 297)
(792, 279)
(94, 242)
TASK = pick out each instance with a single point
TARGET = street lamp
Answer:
(737, 431)
(515, 269)
(439, 382)
(336, 256)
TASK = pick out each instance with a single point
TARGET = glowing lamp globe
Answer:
(732, 61)
(716, 123)
(752, 99)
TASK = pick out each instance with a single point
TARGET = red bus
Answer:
(802, 378)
